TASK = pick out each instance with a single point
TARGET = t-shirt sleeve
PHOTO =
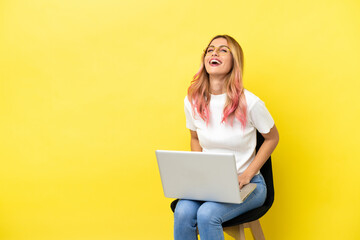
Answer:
(260, 117)
(189, 118)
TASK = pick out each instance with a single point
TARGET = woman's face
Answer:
(218, 58)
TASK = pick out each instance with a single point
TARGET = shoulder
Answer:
(251, 99)
(187, 102)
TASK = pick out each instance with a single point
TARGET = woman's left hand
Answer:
(243, 179)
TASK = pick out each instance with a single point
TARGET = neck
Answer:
(217, 84)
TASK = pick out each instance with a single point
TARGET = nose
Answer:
(215, 53)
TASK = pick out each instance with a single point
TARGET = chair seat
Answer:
(249, 216)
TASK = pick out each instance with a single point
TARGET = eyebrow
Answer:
(219, 46)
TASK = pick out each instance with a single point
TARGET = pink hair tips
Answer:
(237, 102)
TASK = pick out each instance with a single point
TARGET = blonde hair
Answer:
(199, 90)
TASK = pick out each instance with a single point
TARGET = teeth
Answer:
(215, 61)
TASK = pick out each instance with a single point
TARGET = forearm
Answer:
(260, 158)
(195, 145)
(266, 149)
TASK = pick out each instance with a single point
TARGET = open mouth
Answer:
(214, 62)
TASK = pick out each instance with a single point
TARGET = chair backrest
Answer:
(267, 173)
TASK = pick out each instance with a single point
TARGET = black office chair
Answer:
(250, 218)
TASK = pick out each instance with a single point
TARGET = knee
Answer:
(180, 214)
(206, 216)
(184, 213)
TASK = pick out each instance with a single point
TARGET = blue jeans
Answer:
(208, 216)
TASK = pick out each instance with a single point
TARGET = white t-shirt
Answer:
(222, 137)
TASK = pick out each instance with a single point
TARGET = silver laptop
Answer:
(201, 176)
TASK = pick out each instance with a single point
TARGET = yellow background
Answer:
(90, 89)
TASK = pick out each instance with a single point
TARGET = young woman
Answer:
(223, 117)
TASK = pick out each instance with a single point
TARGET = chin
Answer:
(217, 73)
